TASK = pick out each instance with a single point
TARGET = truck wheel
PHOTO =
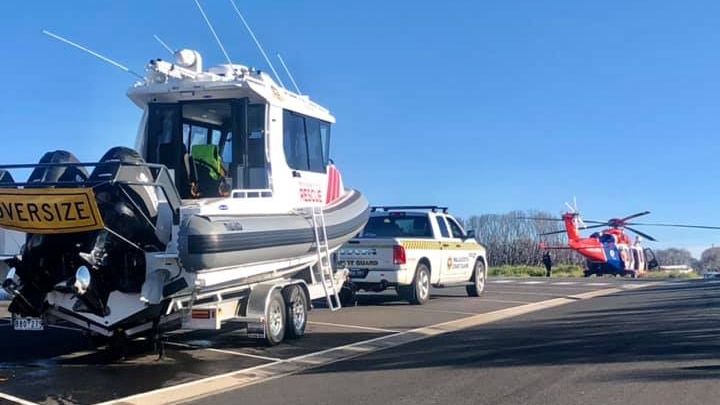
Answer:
(275, 319)
(296, 311)
(420, 290)
(478, 286)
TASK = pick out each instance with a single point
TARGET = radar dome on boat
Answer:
(189, 59)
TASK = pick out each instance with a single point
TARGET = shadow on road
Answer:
(664, 323)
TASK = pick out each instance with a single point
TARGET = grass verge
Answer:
(535, 271)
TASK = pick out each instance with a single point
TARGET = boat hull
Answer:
(211, 242)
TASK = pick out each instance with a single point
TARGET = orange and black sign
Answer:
(49, 210)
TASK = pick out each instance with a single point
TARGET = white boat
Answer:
(228, 201)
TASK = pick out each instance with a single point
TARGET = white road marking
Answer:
(253, 375)
(235, 353)
(254, 356)
(516, 292)
(501, 281)
(505, 301)
(439, 311)
(16, 399)
(597, 284)
(533, 282)
(342, 325)
(564, 283)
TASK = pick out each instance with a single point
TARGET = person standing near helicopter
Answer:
(547, 261)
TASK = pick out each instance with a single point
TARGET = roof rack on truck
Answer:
(433, 208)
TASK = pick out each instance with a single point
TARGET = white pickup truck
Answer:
(411, 248)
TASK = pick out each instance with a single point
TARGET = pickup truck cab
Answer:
(410, 249)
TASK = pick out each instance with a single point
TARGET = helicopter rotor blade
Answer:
(639, 214)
(541, 219)
(644, 235)
(587, 221)
(596, 226)
(678, 225)
(552, 233)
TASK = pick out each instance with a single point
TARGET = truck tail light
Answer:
(399, 254)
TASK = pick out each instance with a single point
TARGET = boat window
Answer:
(215, 137)
(306, 142)
(198, 136)
(227, 148)
(325, 138)
(316, 156)
(295, 143)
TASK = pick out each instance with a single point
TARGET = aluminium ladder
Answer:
(324, 265)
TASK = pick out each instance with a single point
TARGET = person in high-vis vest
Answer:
(210, 181)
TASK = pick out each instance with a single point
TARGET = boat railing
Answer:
(160, 179)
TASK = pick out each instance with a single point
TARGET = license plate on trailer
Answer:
(28, 323)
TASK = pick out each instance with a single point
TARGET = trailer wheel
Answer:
(296, 311)
(478, 280)
(420, 289)
(275, 319)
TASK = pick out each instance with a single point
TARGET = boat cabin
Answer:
(231, 132)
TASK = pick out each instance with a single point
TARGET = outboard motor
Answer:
(48, 260)
(92, 264)
(116, 257)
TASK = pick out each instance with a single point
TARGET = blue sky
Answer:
(485, 106)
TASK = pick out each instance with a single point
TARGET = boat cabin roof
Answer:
(186, 80)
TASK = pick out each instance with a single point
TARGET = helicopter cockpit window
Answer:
(607, 238)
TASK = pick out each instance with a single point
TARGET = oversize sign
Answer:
(49, 210)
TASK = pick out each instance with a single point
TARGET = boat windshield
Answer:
(210, 146)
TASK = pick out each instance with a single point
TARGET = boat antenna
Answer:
(93, 53)
(207, 21)
(282, 62)
(164, 45)
(262, 51)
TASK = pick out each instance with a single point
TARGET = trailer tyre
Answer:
(275, 319)
(420, 289)
(478, 280)
(296, 311)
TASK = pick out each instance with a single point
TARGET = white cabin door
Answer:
(305, 143)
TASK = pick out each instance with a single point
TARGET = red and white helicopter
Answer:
(611, 250)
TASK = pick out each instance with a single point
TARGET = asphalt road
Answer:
(657, 345)
(637, 345)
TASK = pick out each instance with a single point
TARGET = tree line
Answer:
(511, 239)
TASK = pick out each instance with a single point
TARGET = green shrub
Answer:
(670, 274)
